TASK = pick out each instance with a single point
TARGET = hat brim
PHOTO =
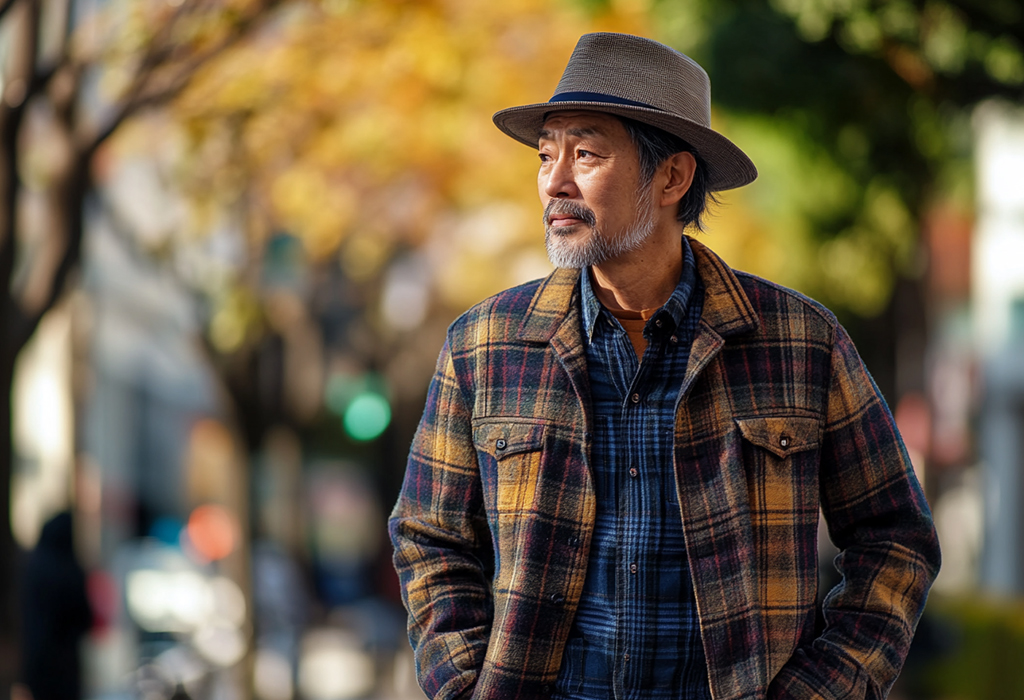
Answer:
(728, 166)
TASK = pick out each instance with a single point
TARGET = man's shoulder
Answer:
(501, 314)
(741, 300)
(781, 308)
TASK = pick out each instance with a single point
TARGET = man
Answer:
(614, 491)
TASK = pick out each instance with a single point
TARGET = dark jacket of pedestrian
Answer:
(55, 614)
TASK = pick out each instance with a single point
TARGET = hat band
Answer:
(598, 97)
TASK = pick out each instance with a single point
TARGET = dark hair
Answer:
(655, 146)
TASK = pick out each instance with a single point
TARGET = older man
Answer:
(615, 488)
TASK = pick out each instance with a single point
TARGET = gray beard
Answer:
(597, 247)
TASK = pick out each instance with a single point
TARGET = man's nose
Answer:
(560, 180)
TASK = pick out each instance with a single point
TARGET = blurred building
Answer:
(998, 313)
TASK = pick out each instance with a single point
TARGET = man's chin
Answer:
(572, 255)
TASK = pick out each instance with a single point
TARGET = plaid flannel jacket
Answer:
(777, 417)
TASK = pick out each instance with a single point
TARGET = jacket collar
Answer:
(727, 310)
(550, 305)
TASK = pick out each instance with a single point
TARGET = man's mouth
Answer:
(560, 221)
(562, 214)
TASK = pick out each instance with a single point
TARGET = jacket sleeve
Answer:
(877, 516)
(442, 546)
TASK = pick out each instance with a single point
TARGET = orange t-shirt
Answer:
(633, 322)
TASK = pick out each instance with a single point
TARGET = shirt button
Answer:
(625, 657)
(574, 541)
(658, 323)
(633, 568)
(635, 398)
(633, 472)
(673, 340)
(557, 598)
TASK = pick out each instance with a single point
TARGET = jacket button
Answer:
(784, 441)
(574, 541)
(633, 472)
(501, 444)
(633, 568)
(557, 598)
(635, 398)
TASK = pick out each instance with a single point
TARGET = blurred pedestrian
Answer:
(56, 614)
(614, 489)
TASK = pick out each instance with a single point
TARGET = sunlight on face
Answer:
(589, 183)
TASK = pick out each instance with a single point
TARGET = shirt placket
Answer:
(636, 489)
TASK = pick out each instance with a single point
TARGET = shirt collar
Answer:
(675, 307)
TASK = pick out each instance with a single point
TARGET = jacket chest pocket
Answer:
(509, 453)
(781, 458)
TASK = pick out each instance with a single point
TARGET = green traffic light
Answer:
(367, 416)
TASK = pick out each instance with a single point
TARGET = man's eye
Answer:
(544, 157)
(583, 153)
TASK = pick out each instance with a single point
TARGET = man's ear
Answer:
(678, 171)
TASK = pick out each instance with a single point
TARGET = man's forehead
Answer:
(580, 123)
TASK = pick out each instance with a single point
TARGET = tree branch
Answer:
(141, 94)
(137, 97)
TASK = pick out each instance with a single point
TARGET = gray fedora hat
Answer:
(643, 80)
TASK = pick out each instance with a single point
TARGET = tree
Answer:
(72, 77)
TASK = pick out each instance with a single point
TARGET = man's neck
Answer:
(644, 279)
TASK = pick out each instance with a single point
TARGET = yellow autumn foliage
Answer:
(370, 119)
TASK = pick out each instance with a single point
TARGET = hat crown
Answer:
(639, 70)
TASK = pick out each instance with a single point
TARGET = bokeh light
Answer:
(219, 643)
(168, 601)
(333, 667)
(272, 674)
(367, 416)
(212, 531)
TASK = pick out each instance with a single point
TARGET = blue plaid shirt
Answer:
(636, 633)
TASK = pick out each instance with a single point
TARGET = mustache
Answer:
(569, 208)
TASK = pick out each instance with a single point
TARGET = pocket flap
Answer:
(781, 435)
(504, 438)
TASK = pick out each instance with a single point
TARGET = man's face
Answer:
(589, 184)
